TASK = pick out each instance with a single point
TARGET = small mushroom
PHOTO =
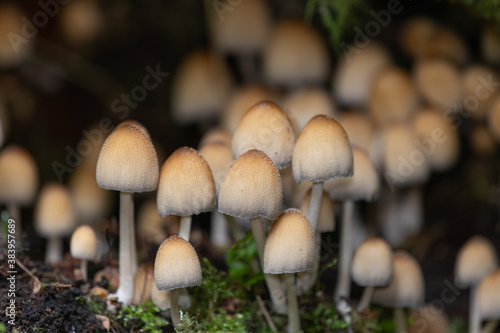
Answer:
(83, 246)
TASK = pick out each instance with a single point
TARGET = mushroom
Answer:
(176, 266)
(143, 282)
(405, 290)
(54, 219)
(186, 187)
(490, 45)
(474, 78)
(493, 119)
(127, 163)
(415, 35)
(475, 259)
(18, 182)
(290, 249)
(81, 22)
(12, 24)
(151, 227)
(359, 128)
(363, 185)
(488, 300)
(215, 135)
(428, 319)
(160, 298)
(265, 127)
(482, 141)
(83, 246)
(252, 189)
(372, 267)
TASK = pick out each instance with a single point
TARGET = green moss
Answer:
(143, 318)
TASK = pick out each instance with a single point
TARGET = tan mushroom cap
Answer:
(393, 96)
(475, 84)
(83, 244)
(476, 258)
(354, 74)
(243, 30)
(363, 185)
(304, 104)
(482, 141)
(186, 184)
(215, 135)
(136, 124)
(438, 136)
(359, 129)
(177, 265)
(265, 127)
(144, 279)
(54, 212)
(326, 220)
(446, 44)
(11, 22)
(438, 81)
(322, 151)
(240, 101)
(81, 22)
(493, 120)
(415, 35)
(160, 298)
(206, 76)
(252, 187)
(488, 299)
(219, 157)
(18, 175)
(290, 244)
(372, 263)
(429, 319)
(152, 227)
(128, 161)
(490, 45)
(295, 55)
(406, 288)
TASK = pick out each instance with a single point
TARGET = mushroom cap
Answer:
(359, 129)
(128, 161)
(393, 96)
(143, 281)
(242, 31)
(482, 141)
(83, 244)
(206, 76)
(219, 157)
(11, 22)
(354, 74)
(151, 226)
(136, 124)
(363, 185)
(215, 135)
(494, 119)
(54, 212)
(295, 55)
(487, 296)
(177, 265)
(326, 220)
(446, 44)
(404, 162)
(490, 45)
(252, 187)
(476, 258)
(304, 104)
(415, 35)
(472, 79)
(186, 184)
(406, 288)
(429, 319)
(439, 136)
(18, 175)
(372, 263)
(438, 81)
(322, 151)
(265, 127)
(81, 22)
(290, 244)
(160, 298)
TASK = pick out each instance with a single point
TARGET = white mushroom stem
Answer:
(315, 204)
(174, 308)
(474, 317)
(366, 298)
(133, 259)
(400, 320)
(293, 305)
(127, 257)
(272, 281)
(185, 227)
(53, 253)
(83, 268)
(15, 213)
(343, 288)
(219, 235)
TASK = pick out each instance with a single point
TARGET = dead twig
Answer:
(266, 314)
(37, 285)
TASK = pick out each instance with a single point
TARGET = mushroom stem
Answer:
(272, 281)
(83, 268)
(366, 298)
(343, 288)
(53, 253)
(174, 307)
(219, 235)
(400, 320)
(315, 204)
(293, 305)
(185, 227)
(474, 317)
(125, 291)
(15, 214)
(133, 259)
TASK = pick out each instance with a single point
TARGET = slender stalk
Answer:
(125, 291)
(219, 235)
(366, 298)
(174, 308)
(83, 268)
(343, 288)
(133, 244)
(185, 227)
(474, 317)
(272, 281)
(293, 305)
(15, 214)
(400, 320)
(53, 253)
(315, 204)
